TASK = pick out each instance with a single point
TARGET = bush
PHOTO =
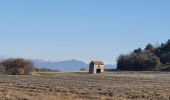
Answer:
(83, 69)
(17, 66)
(46, 70)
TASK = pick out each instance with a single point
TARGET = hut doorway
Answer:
(98, 70)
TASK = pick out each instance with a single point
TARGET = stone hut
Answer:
(96, 67)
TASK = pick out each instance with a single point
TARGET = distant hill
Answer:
(69, 65)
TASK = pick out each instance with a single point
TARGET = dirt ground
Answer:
(83, 86)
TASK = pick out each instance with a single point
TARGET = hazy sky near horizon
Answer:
(81, 29)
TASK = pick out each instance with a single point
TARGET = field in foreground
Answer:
(82, 86)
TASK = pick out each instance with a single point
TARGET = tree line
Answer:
(148, 59)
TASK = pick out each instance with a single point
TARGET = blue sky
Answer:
(81, 29)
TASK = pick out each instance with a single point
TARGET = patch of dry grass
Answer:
(83, 86)
(13, 94)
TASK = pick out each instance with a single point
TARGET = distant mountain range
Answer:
(70, 65)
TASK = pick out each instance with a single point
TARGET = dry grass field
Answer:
(82, 86)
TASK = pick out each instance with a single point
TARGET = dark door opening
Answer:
(98, 71)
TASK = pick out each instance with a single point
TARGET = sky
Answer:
(81, 29)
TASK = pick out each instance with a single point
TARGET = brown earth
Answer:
(82, 86)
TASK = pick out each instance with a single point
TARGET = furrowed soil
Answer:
(83, 86)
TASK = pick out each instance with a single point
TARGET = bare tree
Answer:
(29, 67)
(17, 66)
(2, 70)
(83, 69)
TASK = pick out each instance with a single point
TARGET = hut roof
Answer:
(97, 62)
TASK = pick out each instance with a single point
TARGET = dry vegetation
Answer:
(82, 86)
